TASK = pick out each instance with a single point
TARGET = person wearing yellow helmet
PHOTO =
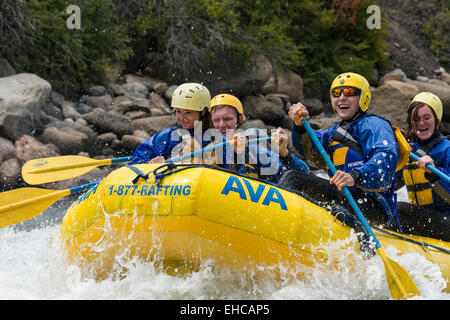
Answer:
(192, 104)
(227, 115)
(428, 212)
(363, 149)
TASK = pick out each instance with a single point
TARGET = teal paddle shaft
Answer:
(415, 157)
(346, 191)
(206, 149)
(192, 154)
(83, 187)
(123, 159)
(210, 148)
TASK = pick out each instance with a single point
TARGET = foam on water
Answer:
(33, 267)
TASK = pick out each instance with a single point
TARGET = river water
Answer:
(32, 267)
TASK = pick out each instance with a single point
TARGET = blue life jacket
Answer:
(367, 145)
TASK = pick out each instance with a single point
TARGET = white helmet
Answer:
(191, 96)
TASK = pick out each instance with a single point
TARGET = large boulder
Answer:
(22, 97)
(257, 107)
(391, 99)
(286, 82)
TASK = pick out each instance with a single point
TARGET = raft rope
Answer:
(423, 244)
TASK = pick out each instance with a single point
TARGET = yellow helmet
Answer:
(350, 79)
(191, 96)
(430, 100)
(228, 100)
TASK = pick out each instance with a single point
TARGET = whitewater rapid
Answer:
(33, 267)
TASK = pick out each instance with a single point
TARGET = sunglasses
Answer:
(348, 92)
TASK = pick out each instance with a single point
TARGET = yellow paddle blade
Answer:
(44, 170)
(26, 203)
(399, 281)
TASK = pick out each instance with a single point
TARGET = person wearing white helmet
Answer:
(192, 103)
(428, 212)
(363, 147)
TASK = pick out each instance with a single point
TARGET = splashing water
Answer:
(33, 267)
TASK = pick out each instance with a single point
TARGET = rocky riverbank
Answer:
(112, 119)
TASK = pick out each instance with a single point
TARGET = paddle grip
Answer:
(415, 157)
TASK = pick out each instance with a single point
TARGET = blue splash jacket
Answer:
(377, 163)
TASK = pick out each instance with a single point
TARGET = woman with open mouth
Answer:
(428, 212)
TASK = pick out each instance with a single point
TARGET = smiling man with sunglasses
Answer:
(363, 149)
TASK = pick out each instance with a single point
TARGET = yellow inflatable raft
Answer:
(188, 213)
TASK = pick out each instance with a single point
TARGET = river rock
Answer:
(52, 110)
(69, 110)
(145, 80)
(83, 108)
(9, 172)
(117, 89)
(7, 149)
(103, 102)
(106, 139)
(28, 148)
(97, 90)
(105, 121)
(57, 98)
(151, 125)
(136, 88)
(160, 88)
(22, 97)
(396, 74)
(131, 142)
(257, 107)
(67, 139)
(77, 126)
(158, 102)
